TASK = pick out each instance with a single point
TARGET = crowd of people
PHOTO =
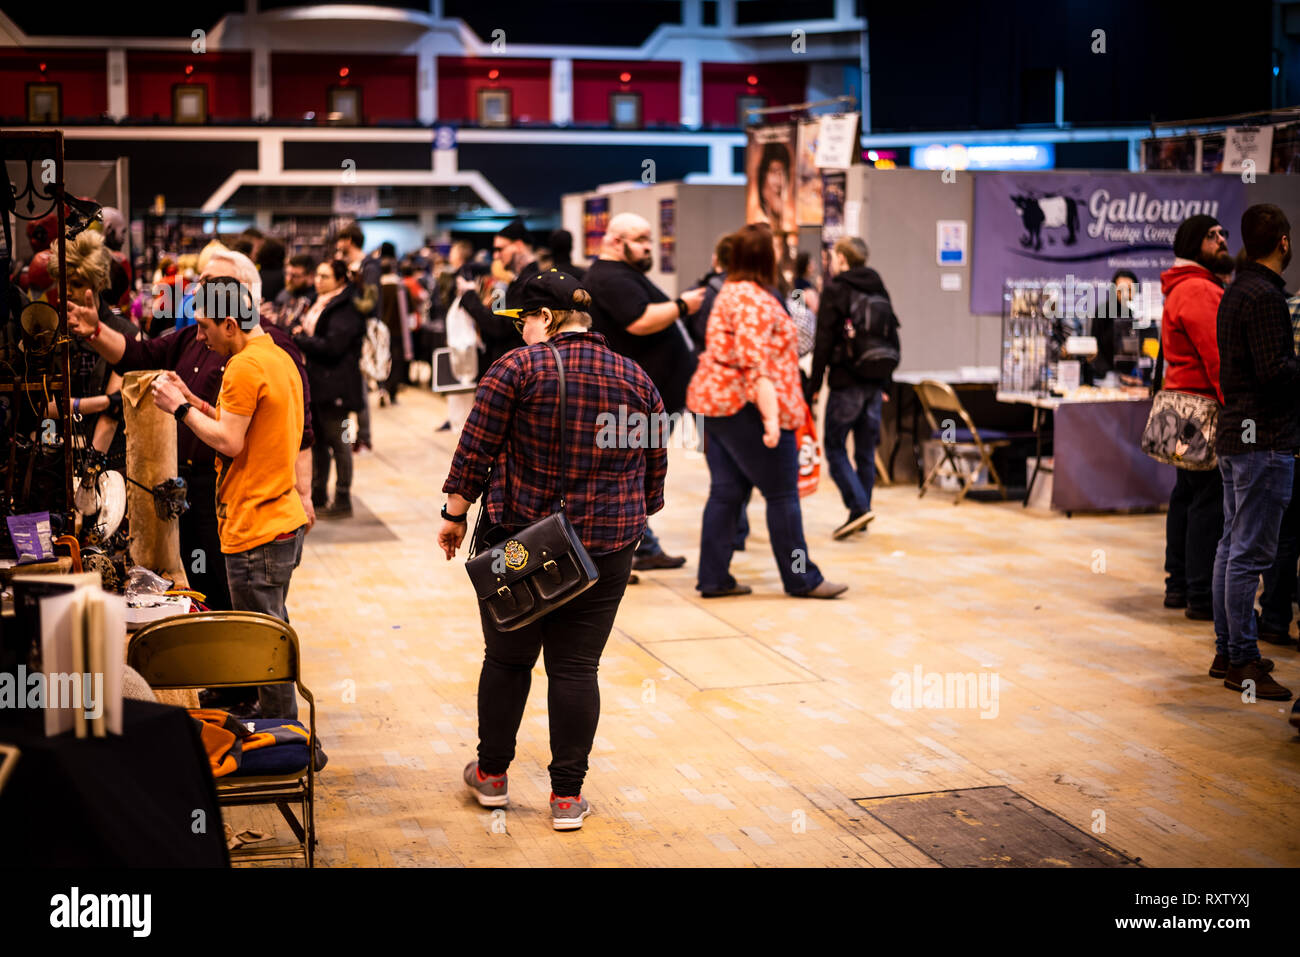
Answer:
(294, 392)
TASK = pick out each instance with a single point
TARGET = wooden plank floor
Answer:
(740, 732)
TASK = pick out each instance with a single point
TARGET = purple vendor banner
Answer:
(1052, 226)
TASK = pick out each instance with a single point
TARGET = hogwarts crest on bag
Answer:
(1180, 430)
(536, 569)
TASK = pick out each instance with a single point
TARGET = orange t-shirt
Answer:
(256, 497)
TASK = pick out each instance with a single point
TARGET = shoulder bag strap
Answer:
(564, 422)
(1158, 373)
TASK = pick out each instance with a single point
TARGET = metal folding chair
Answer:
(938, 397)
(238, 649)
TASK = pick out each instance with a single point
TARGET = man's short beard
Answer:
(1218, 263)
(644, 264)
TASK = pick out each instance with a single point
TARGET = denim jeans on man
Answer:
(571, 640)
(853, 410)
(1256, 491)
(259, 581)
(739, 462)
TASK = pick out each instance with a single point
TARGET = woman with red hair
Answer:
(748, 389)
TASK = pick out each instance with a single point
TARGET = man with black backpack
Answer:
(857, 339)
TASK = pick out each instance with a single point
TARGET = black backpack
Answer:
(869, 346)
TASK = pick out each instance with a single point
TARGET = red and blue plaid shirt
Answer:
(613, 479)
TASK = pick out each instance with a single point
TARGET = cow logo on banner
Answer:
(1054, 227)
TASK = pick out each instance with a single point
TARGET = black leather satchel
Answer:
(536, 569)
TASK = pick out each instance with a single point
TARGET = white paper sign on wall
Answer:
(836, 141)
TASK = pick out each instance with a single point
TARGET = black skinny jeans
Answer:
(571, 640)
(328, 423)
(205, 566)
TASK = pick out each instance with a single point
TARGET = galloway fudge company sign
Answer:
(1054, 226)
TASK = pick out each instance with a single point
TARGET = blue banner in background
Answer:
(1052, 226)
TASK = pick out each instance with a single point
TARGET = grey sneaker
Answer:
(567, 813)
(490, 789)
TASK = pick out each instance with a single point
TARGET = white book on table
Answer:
(82, 639)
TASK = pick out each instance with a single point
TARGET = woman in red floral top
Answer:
(748, 389)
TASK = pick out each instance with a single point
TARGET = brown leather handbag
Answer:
(536, 569)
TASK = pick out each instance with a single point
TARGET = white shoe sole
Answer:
(848, 528)
(485, 801)
(570, 823)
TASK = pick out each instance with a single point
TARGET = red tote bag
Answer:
(810, 455)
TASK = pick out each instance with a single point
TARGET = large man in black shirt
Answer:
(499, 335)
(639, 321)
(1257, 438)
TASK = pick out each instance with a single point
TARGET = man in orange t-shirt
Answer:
(255, 431)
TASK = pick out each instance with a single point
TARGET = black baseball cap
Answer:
(551, 290)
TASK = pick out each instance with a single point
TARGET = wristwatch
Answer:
(460, 519)
(181, 409)
(682, 308)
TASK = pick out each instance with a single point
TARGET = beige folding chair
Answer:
(940, 398)
(238, 649)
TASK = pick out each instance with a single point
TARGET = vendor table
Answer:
(1098, 463)
(142, 799)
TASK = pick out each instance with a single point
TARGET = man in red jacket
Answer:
(1189, 335)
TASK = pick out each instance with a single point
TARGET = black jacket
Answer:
(831, 314)
(1258, 369)
(334, 354)
(498, 333)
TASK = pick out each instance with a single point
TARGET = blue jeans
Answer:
(739, 462)
(1256, 491)
(259, 581)
(855, 410)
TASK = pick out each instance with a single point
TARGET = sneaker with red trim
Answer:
(490, 789)
(567, 812)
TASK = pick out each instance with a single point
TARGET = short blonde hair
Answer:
(88, 258)
(579, 315)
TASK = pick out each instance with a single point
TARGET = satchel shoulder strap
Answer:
(564, 421)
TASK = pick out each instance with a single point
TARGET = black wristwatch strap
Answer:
(461, 519)
(681, 307)
(181, 410)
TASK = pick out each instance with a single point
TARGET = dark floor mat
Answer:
(990, 827)
(362, 528)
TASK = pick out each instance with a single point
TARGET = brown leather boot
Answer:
(1265, 687)
(1219, 668)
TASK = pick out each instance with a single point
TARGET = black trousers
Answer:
(200, 544)
(328, 422)
(571, 640)
(1192, 532)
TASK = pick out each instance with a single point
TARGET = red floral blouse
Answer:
(749, 336)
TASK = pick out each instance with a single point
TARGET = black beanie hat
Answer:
(1187, 241)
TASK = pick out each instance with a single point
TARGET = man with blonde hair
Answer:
(641, 323)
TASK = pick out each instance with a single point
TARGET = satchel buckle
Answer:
(550, 567)
(503, 592)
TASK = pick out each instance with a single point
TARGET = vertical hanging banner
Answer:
(769, 175)
(1248, 143)
(667, 235)
(834, 185)
(808, 178)
(595, 221)
(1286, 149)
(837, 141)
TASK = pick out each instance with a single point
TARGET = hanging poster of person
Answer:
(1170, 153)
(667, 235)
(1286, 149)
(769, 175)
(595, 220)
(834, 186)
(1083, 227)
(1212, 147)
(1253, 144)
(808, 178)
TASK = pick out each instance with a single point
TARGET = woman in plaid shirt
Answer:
(610, 488)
